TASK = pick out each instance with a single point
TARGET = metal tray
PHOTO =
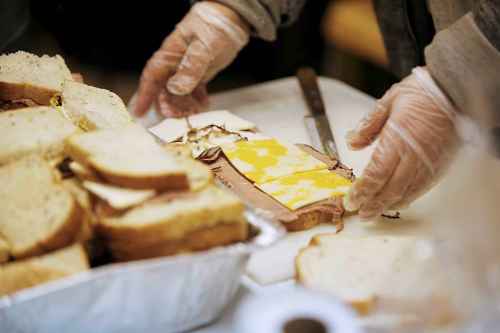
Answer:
(171, 294)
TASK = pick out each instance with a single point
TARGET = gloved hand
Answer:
(206, 40)
(415, 124)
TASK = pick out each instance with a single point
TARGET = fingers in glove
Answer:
(377, 173)
(394, 191)
(201, 95)
(370, 126)
(422, 182)
(191, 70)
(157, 70)
(173, 106)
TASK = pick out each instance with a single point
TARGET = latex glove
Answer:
(206, 40)
(415, 124)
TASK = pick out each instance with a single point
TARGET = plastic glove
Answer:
(206, 40)
(415, 124)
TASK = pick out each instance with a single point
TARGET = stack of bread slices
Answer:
(76, 172)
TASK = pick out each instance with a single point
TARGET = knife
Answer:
(316, 121)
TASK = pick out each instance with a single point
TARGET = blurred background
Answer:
(110, 43)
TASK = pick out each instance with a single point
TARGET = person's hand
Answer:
(206, 40)
(415, 124)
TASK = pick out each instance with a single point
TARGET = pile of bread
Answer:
(79, 179)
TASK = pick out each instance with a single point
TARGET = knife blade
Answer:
(316, 121)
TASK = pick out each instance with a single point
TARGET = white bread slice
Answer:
(360, 269)
(38, 214)
(28, 273)
(33, 130)
(118, 197)
(129, 157)
(203, 239)
(83, 198)
(93, 108)
(4, 250)
(160, 220)
(27, 76)
(199, 175)
(83, 172)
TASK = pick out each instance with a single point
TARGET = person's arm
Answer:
(206, 41)
(266, 16)
(464, 60)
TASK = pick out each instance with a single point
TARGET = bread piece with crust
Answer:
(4, 250)
(199, 240)
(93, 108)
(173, 217)
(38, 213)
(27, 76)
(28, 273)
(363, 269)
(129, 157)
(40, 130)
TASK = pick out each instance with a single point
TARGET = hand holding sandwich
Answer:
(415, 124)
(203, 43)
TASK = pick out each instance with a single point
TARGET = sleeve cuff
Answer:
(264, 20)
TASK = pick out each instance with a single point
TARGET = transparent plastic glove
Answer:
(206, 40)
(415, 124)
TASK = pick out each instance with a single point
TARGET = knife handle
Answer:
(309, 83)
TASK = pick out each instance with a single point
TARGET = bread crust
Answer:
(111, 229)
(199, 240)
(160, 181)
(28, 273)
(170, 181)
(299, 275)
(13, 91)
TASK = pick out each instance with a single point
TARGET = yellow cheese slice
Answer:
(265, 160)
(301, 189)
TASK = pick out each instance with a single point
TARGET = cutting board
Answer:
(448, 211)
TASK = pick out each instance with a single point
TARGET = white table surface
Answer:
(462, 209)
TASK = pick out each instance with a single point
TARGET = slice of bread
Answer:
(38, 214)
(130, 157)
(28, 273)
(173, 218)
(199, 175)
(93, 108)
(4, 250)
(199, 240)
(39, 130)
(84, 200)
(360, 269)
(118, 197)
(25, 75)
(83, 172)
